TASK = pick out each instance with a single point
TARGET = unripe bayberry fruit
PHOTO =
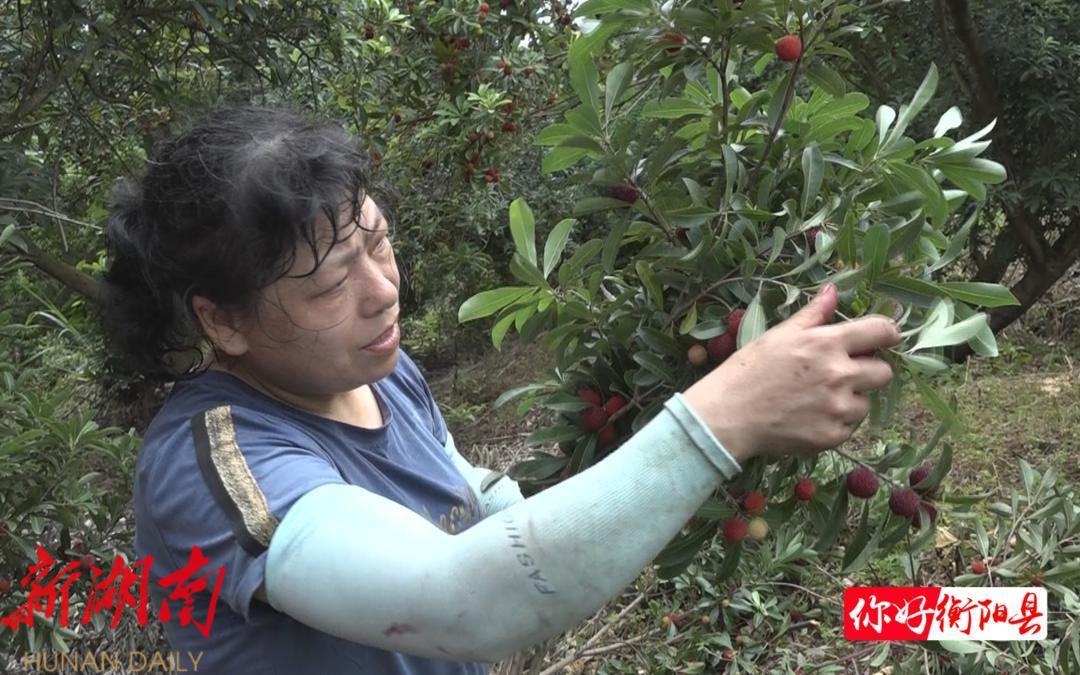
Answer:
(626, 192)
(789, 48)
(594, 419)
(734, 321)
(590, 396)
(862, 482)
(978, 567)
(614, 404)
(754, 502)
(919, 474)
(697, 355)
(904, 502)
(805, 489)
(759, 529)
(735, 530)
(721, 346)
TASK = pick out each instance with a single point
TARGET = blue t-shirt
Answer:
(222, 463)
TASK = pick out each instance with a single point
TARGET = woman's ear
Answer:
(220, 327)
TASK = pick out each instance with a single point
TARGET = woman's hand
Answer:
(798, 388)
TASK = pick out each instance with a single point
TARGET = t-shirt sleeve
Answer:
(247, 469)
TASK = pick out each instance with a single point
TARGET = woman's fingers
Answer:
(870, 374)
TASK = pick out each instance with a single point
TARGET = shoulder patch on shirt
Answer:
(230, 479)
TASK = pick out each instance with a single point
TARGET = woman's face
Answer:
(310, 334)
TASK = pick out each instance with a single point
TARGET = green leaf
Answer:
(511, 394)
(652, 286)
(537, 468)
(952, 119)
(525, 271)
(826, 78)
(910, 111)
(876, 250)
(979, 293)
(555, 134)
(753, 323)
(885, 117)
(689, 320)
(673, 108)
(955, 334)
(837, 518)
(498, 332)
(555, 244)
(956, 244)
(617, 80)
(583, 75)
(654, 364)
(560, 158)
(862, 546)
(936, 404)
(813, 166)
(487, 303)
(581, 257)
(961, 646)
(591, 204)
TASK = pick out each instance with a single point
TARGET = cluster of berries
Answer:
(719, 347)
(597, 417)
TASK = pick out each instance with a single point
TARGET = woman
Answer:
(305, 455)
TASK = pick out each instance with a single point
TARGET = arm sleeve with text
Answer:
(228, 495)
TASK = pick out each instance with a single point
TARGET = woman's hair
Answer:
(219, 213)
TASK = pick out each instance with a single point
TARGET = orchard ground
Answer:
(1021, 405)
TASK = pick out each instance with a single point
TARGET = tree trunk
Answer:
(1032, 286)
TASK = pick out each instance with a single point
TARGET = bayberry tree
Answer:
(738, 173)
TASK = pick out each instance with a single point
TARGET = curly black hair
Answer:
(219, 213)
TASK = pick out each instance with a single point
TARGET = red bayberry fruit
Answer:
(5, 585)
(735, 320)
(811, 238)
(677, 40)
(805, 489)
(789, 48)
(505, 3)
(594, 419)
(626, 192)
(448, 70)
(978, 567)
(87, 559)
(918, 475)
(607, 436)
(614, 404)
(754, 502)
(528, 71)
(590, 396)
(904, 502)
(509, 127)
(721, 346)
(484, 8)
(491, 176)
(862, 482)
(735, 530)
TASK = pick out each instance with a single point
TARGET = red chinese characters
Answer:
(123, 586)
(966, 613)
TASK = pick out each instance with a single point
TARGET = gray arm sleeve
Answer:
(366, 569)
